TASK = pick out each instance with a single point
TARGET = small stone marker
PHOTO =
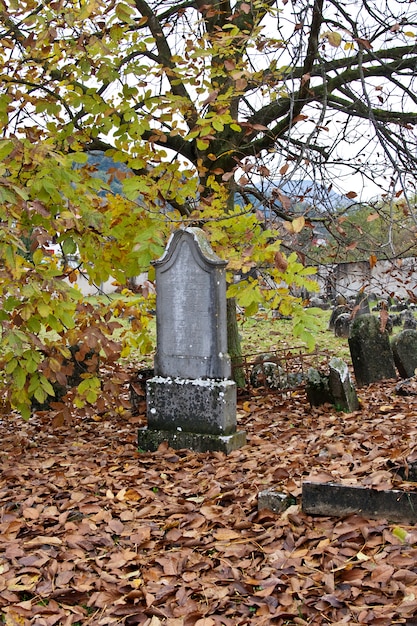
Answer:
(274, 501)
(191, 402)
(335, 388)
(370, 351)
(341, 387)
(331, 499)
(404, 350)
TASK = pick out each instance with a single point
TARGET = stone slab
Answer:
(332, 499)
(370, 351)
(404, 350)
(196, 406)
(151, 439)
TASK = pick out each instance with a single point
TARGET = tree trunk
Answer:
(234, 347)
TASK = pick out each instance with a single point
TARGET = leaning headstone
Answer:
(341, 387)
(404, 350)
(370, 351)
(334, 388)
(191, 401)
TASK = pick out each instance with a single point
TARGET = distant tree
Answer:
(202, 101)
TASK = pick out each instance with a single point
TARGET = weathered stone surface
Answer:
(404, 350)
(191, 403)
(342, 325)
(341, 387)
(191, 309)
(338, 310)
(317, 388)
(370, 351)
(150, 439)
(195, 406)
(274, 501)
(409, 320)
(331, 499)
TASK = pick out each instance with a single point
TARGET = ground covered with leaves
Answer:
(93, 531)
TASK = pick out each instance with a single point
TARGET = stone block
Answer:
(331, 499)
(194, 406)
(274, 501)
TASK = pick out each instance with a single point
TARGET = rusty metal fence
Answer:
(279, 371)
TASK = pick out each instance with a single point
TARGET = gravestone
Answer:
(338, 310)
(317, 388)
(404, 350)
(409, 321)
(334, 388)
(191, 401)
(370, 351)
(341, 387)
(342, 325)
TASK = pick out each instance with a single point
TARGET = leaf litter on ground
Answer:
(93, 531)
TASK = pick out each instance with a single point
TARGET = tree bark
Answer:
(234, 345)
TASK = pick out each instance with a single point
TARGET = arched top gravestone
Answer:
(191, 309)
(191, 401)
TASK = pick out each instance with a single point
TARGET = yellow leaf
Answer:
(400, 533)
(298, 224)
(14, 619)
(334, 39)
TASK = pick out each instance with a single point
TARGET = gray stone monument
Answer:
(191, 401)
(370, 351)
(404, 349)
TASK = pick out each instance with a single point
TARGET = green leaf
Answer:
(19, 377)
(6, 147)
(400, 533)
(69, 246)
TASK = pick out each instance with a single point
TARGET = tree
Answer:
(205, 102)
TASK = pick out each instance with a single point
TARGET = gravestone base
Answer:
(150, 440)
(205, 406)
(196, 414)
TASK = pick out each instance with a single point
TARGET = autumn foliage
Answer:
(94, 532)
